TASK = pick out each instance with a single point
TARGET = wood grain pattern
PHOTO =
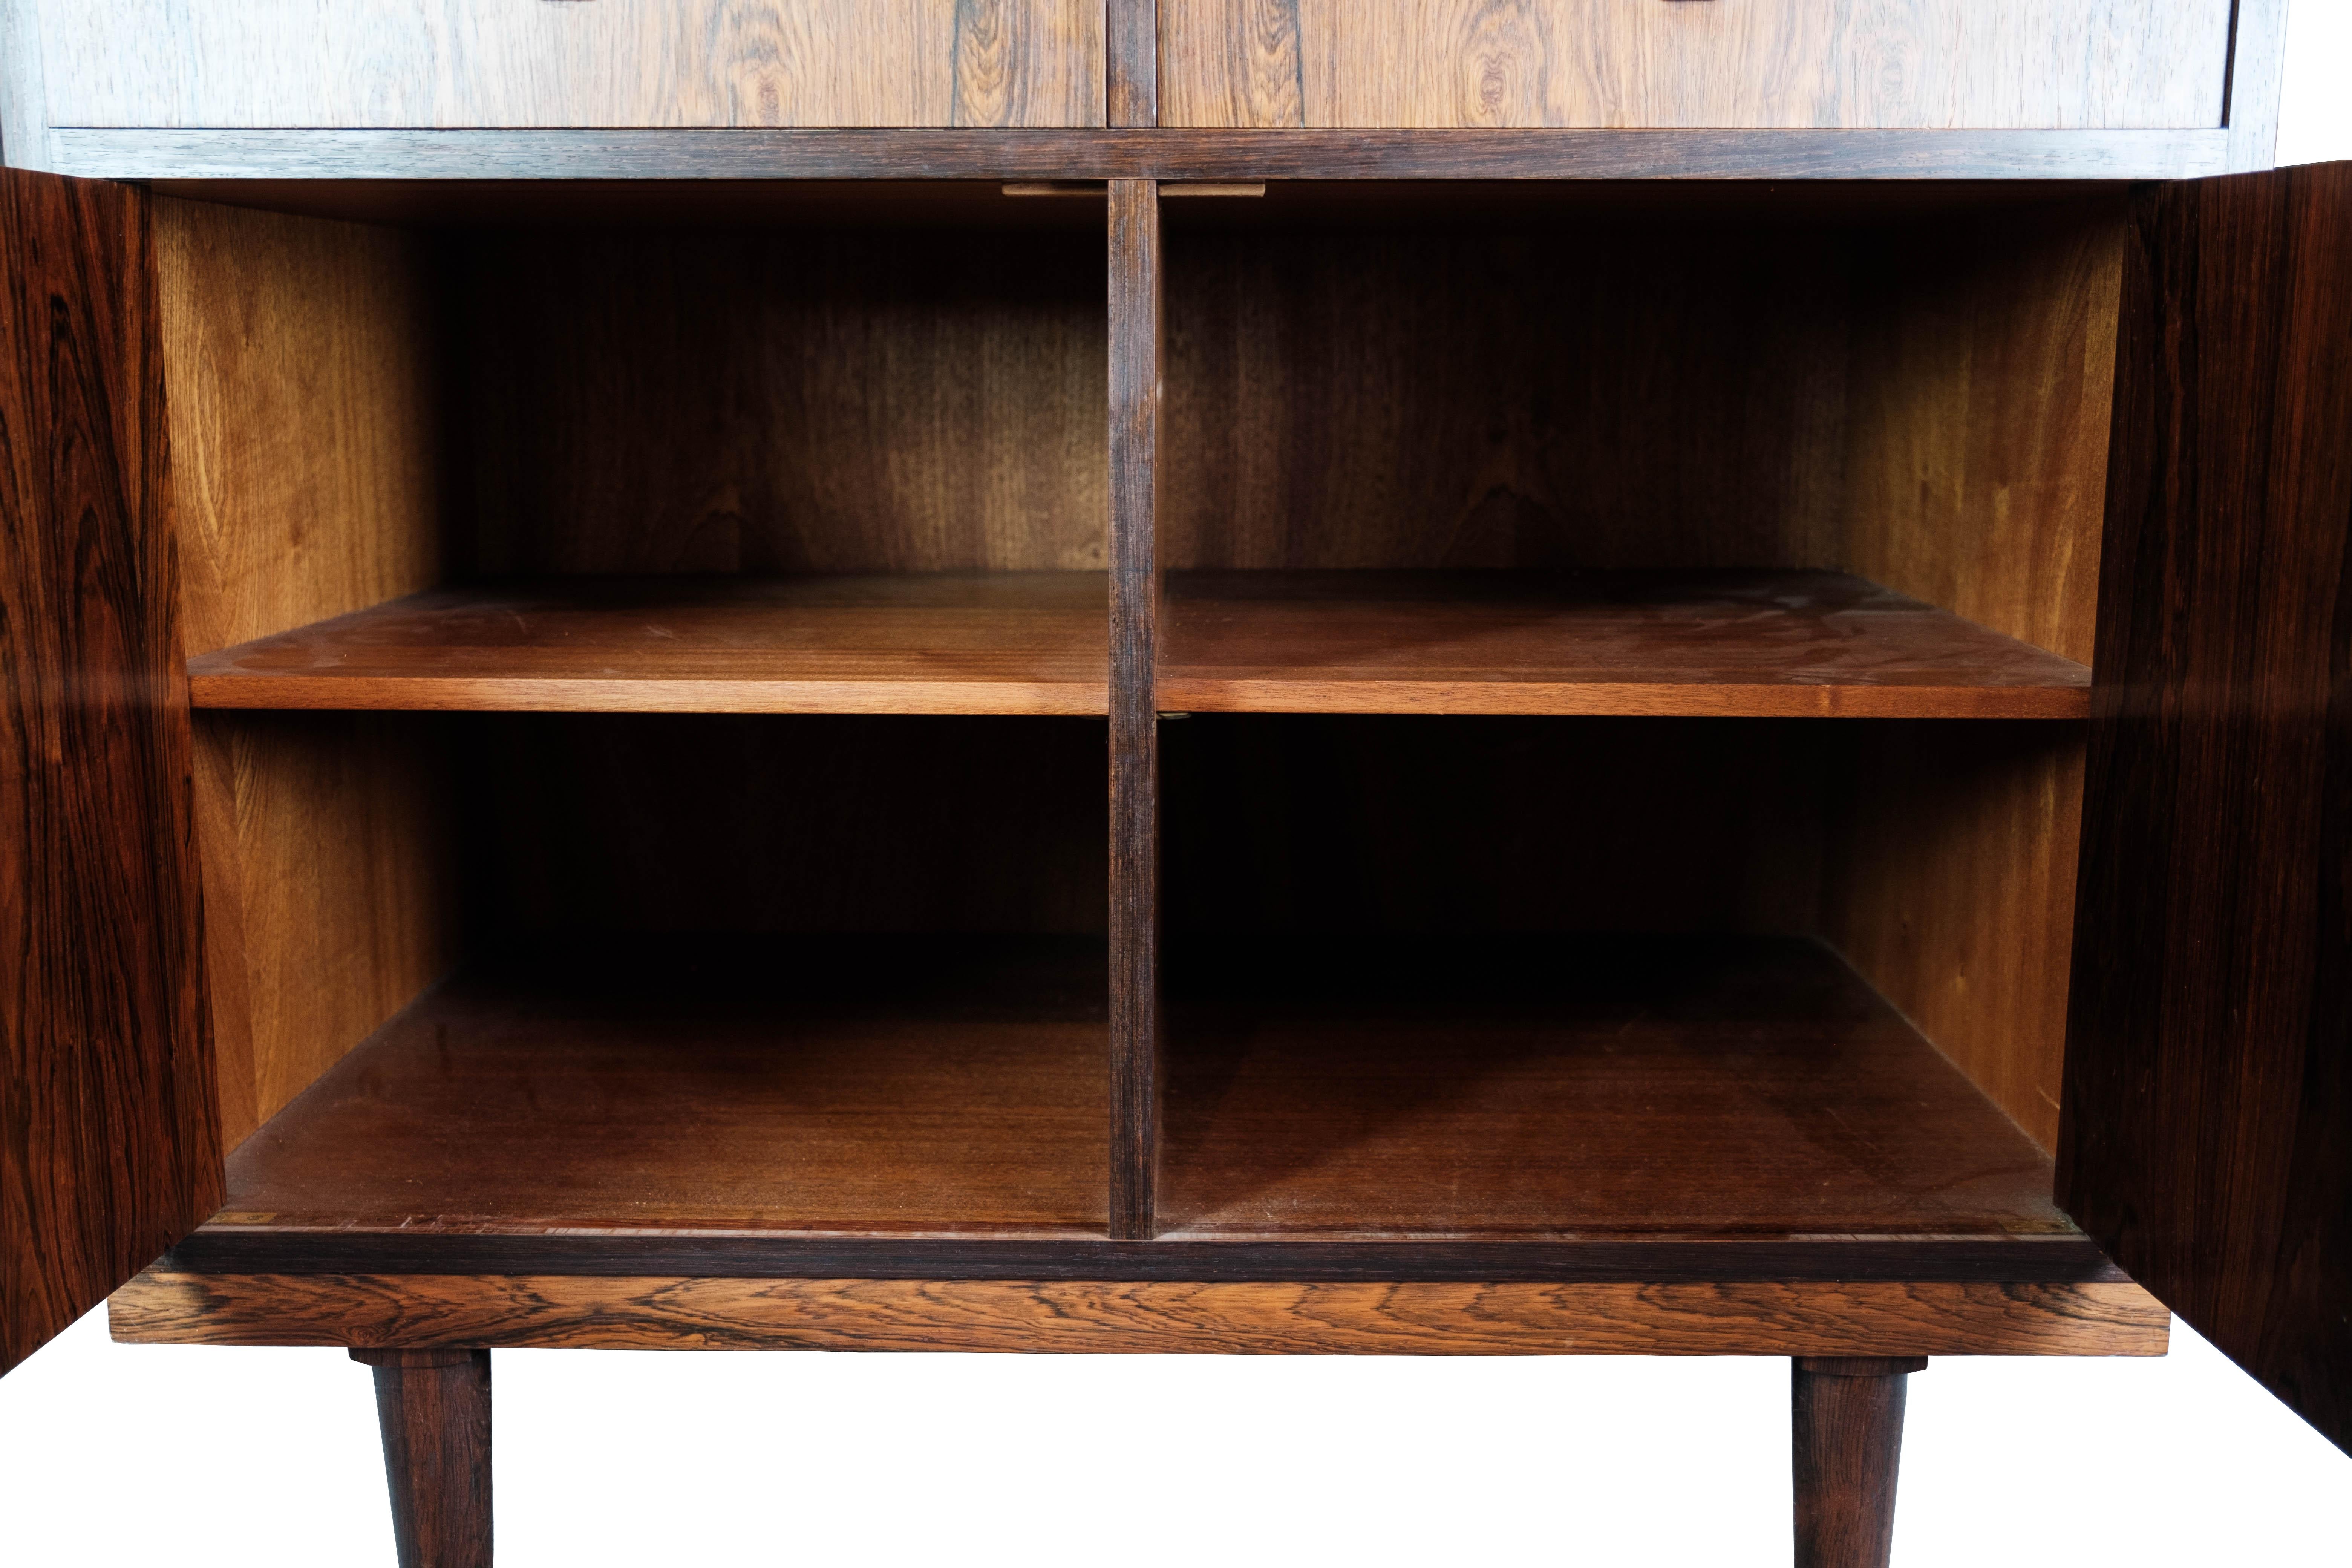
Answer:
(1980, 395)
(433, 1407)
(306, 398)
(1133, 87)
(2207, 1095)
(1846, 1443)
(422, 1310)
(614, 63)
(887, 1087)
(109, 1137)
(1137, 564)
(1789, 644)
(1140, 154)
(1949, 884)
(848, 400)
(329, 890)
(1548, 1087)
(1924, 63)
(305, 403)
(1004, 643)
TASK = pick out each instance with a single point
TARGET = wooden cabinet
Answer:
(1237, 756)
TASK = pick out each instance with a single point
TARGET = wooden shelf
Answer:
(1030, 642)
(1557, 1087)
(886, 1087)
(1732, 643)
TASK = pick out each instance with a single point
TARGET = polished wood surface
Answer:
(109, 1136)
(1137, 375)
(1011, 1316)
(306, 395)
(1004, 643)
(881, 1087)
(1846, 1431)
(434, 1406)
(1569, 1087)
(301, 63)
(2208, 1094)
(1466, 63)
(850, 400)
(1745, 643)
(1138, 155)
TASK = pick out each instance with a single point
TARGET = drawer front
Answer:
(1747, 64)
(548, 63)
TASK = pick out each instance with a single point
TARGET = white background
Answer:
(119, 1454)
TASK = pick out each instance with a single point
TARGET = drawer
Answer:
(1747, 64)
(517, 63)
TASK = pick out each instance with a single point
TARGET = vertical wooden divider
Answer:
(1135, 586)
(1132, 79)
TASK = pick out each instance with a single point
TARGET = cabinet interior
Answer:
(648, 650)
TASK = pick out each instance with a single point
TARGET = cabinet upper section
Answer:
(513, 64)
(1693, 64)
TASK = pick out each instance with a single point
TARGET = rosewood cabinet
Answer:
(630, 726)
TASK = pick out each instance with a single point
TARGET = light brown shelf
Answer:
(1567, 1087)
(886, 1087)
(1731, 643)
(1030, 642)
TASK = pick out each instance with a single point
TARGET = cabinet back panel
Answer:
(1304, 826)
(818, 401)
(710, 823)
(1604, 397)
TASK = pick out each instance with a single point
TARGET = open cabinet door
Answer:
(109, 1148)
(2207, 1131)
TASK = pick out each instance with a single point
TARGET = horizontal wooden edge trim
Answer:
(1208, 694)
(1997, 1260)
(433, 1311)
(1163, 154)
(446, 694)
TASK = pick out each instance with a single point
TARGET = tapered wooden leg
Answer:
(435, 1407)
(1847, 1414)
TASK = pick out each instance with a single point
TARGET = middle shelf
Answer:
(1724, 643)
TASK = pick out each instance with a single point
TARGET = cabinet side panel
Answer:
(1981, 392)
(301, 359)
(109, 1141)
(1949, 885)
(329, 890)
(2207, 1136)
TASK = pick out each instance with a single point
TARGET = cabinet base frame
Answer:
(1757, 1318)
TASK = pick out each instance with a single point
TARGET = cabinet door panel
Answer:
(2206, 1126)
(527, 63)
(1753, 64)
(109, 1144)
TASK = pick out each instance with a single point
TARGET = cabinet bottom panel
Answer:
(424, 1312)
